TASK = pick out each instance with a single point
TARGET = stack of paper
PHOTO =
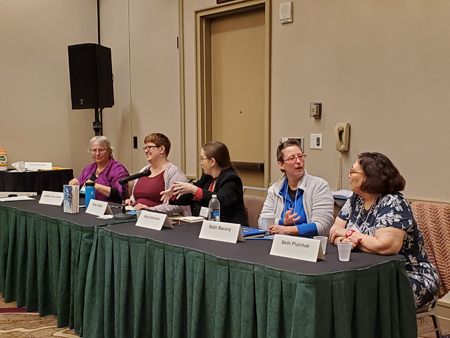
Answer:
(71, 199)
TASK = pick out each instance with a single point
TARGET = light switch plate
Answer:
(315, 141)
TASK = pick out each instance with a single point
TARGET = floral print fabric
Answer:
(393, 210)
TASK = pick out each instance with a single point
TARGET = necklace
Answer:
(372, 207)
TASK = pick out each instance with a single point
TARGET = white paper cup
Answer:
(266, 221)
(344, 249)
(323, 241)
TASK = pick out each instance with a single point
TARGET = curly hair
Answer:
(381, 175)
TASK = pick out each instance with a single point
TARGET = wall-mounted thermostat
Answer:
(315, 110)
(286, 12)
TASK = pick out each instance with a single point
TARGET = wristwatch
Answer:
(349, 233)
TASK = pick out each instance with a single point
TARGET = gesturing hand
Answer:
(290, 218)
(166, 195)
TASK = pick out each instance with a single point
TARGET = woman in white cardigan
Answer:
(302, 204)
(146, 190)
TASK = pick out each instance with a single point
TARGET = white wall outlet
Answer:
(315, 141)
(300, 139)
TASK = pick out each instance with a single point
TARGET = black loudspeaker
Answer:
(91, 78)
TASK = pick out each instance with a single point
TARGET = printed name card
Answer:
(51, 198)
(153, 220)
(98, 208)
(221, 231)
(35, 166)
(305, 249)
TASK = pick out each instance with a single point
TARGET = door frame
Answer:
(203, 19)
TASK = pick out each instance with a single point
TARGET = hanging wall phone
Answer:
(342, 139)
(342, 136)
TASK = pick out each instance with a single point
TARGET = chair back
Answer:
(254, 205)
(433, 219)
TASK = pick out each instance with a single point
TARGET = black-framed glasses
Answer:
(293, 158)
(201, 159)
(148, 148)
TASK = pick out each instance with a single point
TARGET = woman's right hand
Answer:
(74, 181)
(128, 201)
(166, 195)
(338, 229)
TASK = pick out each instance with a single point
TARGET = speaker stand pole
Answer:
(97, 125)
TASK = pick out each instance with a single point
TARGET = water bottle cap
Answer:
(214, 196)
(90, 184)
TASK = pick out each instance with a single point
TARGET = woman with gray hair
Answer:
(105, 171)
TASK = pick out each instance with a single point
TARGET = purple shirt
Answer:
(109, 177)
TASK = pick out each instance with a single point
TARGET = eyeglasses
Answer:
(148, 148)
(355, 172)
(293, 158)
(201, 159)
(93, 151)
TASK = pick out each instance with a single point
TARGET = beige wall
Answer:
(380, 65)
(36, 119)
(143, 37)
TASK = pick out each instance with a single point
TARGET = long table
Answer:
(44, 254)
(170, 283)
(35, 181)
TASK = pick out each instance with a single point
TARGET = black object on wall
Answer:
(91, 78)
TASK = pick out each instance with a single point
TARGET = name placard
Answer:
(98, 208)
(204, 212)
(35, 166)
(51, 198)
(221, 231)
(153, 220)
(305, 249)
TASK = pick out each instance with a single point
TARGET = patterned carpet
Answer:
(16, 322)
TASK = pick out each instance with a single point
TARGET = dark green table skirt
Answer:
(141, 287)
(44, 255)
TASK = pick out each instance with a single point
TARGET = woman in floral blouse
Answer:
(378, 219)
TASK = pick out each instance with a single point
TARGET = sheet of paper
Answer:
(16, 198)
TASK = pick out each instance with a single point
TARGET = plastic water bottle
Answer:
(214, 209)
(89, 192)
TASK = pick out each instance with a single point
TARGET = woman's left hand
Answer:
(181, 188)
(290, 218)
(141, 206)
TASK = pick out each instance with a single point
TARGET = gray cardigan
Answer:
(318, 202)
(172, 174)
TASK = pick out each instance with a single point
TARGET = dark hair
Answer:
(381, 175)
(283, 145)
(218, 151)
(159, 140)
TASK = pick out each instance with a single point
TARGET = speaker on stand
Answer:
(91, 79)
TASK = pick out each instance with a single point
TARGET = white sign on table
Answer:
(221, 231)
(98, 208)
(51, 198)
(305, 249)
(35, 166)
(204, 212)
(153, 220)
